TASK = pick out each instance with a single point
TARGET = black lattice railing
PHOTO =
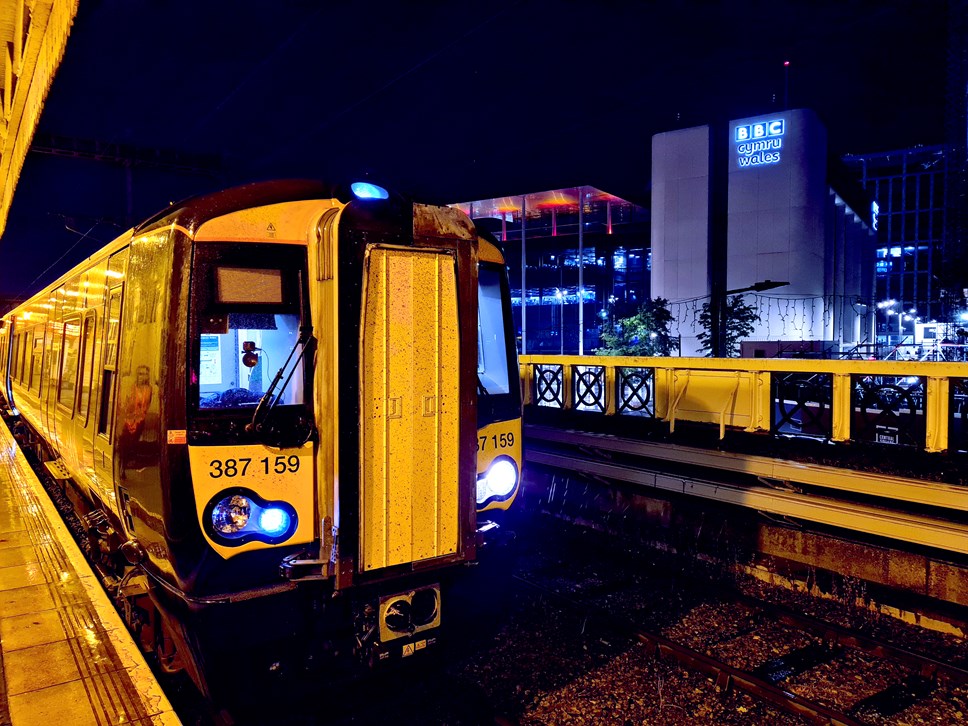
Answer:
(888, 410)
(636, 392)
(549, 389)
(802, 404)
(588, 386)
(958, 415)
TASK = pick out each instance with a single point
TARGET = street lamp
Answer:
(758, 287)
(888, 307)
(717, 313)
(911, 316)
(900, 323)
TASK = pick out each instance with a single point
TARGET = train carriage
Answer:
(289, 406)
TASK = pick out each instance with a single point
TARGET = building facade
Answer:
(748, 207)
(576, 257)
(909, 190)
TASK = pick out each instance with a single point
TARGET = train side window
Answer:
(68, 371)
(14, 357)
(106, 411)
(24, 355)
(18, 354)
(36, 357)
(86, 368)
(50, 363)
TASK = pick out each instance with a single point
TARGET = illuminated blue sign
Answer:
(759, 144)
(762, 130)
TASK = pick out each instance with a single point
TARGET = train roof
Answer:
(193, 211)
(109, 249)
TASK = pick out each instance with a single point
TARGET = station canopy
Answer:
(34, 35)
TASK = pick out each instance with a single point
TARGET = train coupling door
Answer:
(410, 498)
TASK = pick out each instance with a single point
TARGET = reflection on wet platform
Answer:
(65, 652)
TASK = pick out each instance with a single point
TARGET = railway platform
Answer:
(65, 655)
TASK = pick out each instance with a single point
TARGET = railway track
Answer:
(809, 667)
(748, 649)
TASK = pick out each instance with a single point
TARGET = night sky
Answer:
(444, 101)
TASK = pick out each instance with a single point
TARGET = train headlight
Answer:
(499, 481)
(274, 520)
(231, 514)
(236, 516)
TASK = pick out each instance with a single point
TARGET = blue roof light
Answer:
(365, 190)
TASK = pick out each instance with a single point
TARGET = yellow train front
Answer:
(303, 402)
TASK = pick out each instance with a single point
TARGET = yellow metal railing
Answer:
(914, 402)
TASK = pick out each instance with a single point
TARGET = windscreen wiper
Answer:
(268, 401)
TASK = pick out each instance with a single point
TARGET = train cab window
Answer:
(24, 356)
(36, 357)
(15, 357)
(242, 285)
(237, 367)
(68, 372)
(498, 391)
(249, 304)
(492, 344)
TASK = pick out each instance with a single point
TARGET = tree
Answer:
(644, 333)
(738, 319)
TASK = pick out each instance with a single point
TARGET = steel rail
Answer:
(726, 676)
(892, 524)
(839, 635)
(937, 494)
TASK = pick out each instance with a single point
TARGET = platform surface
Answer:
(66, 658)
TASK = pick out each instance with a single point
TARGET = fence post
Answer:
(936, 415)
(842, 407)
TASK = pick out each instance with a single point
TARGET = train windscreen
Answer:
(249, 335)
(497, 376)
(236, 367)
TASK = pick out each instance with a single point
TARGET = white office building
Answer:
(759, 203)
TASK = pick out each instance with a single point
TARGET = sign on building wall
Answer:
(759, 143)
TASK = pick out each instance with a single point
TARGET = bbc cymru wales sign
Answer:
(759, 144)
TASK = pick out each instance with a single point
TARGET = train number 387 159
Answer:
(497, 441)
(240, 467)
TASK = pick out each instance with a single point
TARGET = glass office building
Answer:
(908, 188)
(576, 257)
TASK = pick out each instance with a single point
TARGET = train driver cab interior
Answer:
(251, 337)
